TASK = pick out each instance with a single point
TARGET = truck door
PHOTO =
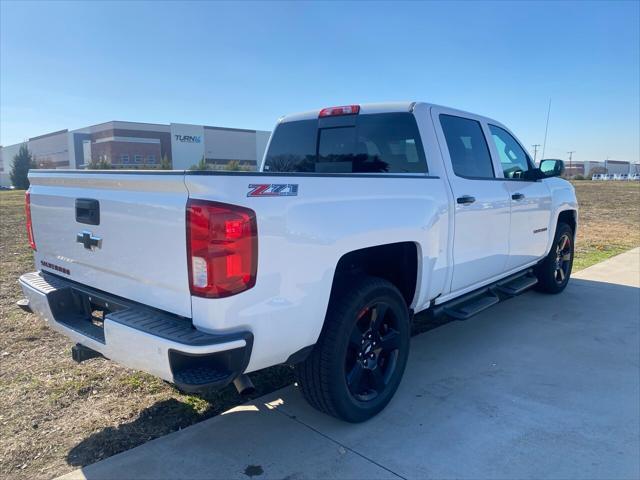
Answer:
(530, 200)
(482, 210)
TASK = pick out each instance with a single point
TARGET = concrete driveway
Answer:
(538, 387)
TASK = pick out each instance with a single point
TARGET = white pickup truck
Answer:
(359, 217)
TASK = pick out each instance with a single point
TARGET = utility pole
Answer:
(535, 151)
(570, 158)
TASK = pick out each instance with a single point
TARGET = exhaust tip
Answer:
(244, 385)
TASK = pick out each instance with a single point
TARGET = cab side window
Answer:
(514, 160)
(467, 146)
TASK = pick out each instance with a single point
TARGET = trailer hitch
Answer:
(80, 353)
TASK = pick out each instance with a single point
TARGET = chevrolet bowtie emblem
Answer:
(88, 240)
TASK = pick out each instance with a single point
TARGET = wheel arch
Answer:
(570, 217)
(397, 263)
(566, 215)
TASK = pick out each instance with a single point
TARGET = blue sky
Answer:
(69, 65)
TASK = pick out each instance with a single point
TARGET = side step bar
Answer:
(469, 305)
(472, 303)
(518, 285)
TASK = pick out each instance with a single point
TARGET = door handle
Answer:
(517, 196)
(465, 200)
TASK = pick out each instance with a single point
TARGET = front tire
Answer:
(357, 364)
(554, 271)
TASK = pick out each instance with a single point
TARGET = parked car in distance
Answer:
(319, 260)
(597, 177)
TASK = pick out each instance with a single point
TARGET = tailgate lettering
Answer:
(55, 267)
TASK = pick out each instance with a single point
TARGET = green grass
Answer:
(593, 256)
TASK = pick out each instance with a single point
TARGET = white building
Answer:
(141, 145)
(590, 168)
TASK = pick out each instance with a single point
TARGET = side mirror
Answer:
(551, 168)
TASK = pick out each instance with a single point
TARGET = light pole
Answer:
(570, 158)
(535, 151)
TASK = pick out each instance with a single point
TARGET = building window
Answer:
(124, 158)
(151, 159)
(137, 158)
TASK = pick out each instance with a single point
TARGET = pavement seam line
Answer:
(296, 419)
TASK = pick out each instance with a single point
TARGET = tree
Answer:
(22, 162)
(165, 163)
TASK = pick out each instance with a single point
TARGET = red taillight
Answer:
(337, 111)
(27, 210)
(222, 243)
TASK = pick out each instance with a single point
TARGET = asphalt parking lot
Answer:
(537, 387)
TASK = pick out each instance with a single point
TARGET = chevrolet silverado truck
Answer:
(359, 217)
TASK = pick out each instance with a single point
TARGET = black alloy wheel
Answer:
(563, 259)
(372, 354)
(358, 361)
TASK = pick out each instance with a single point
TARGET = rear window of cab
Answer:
(373, 143)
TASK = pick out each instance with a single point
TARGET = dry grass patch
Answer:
(609, 220)
(56, 415)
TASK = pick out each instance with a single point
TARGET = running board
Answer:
(518, 285)
(469, 307)
(472, 303)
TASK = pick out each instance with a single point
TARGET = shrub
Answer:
(99, 165)
(165, 163)
(201, 165)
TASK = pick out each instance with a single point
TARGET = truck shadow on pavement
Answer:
(590, 317)
(171, 415)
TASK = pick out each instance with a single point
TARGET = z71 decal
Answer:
(273, 190)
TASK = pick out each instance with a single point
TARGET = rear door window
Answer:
(467, 146)
(375, 143)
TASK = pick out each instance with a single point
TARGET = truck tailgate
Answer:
(137, 248)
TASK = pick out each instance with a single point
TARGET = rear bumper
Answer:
(137, 336)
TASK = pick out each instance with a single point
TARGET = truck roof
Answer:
(368, 108)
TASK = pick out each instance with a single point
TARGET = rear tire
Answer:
(357, 364)
(554, 271)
